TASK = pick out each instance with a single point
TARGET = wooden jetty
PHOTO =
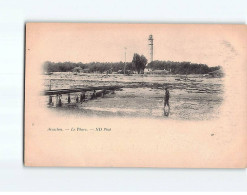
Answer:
(98, 91)
(80, 89)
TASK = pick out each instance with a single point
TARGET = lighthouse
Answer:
(151, 47)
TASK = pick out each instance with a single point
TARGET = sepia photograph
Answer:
(135, 95)
(154, 72)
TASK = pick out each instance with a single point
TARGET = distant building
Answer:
(108, 71)
(146, 70)
(217, 73)
(158, 72)
(77, 69)
(86, 70)
(80, 70)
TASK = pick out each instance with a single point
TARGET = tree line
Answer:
(92, 67)
(181, 67)
(138, 64)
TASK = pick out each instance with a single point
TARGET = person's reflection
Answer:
(166, 113)
(166, 102)
(166, 98)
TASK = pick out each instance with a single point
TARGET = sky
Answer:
(98, 42)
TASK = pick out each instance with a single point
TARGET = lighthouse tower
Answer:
(151, 47)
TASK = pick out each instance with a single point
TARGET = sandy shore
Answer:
(193, 98)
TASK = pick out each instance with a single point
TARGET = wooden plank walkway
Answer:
(80, 89)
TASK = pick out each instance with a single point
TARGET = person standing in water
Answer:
(166, 98)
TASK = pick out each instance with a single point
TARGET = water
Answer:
(192, 98)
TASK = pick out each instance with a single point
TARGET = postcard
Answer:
(135, 95)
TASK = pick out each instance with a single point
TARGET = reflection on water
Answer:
(166, 111)
(193, 98)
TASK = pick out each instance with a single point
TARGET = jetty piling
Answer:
(50, 100)
(68, 98)
(99, 91)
